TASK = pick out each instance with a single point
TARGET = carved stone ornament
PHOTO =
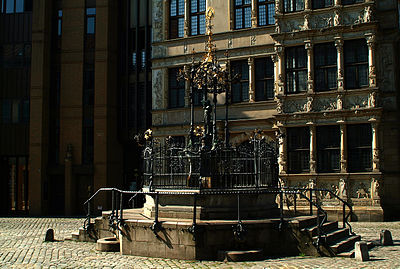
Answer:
(279, 106)
(368, 14)
(337, 19)
(375, 188)
(157, 90)
(372, 99)
(253, 40)
(306, 25)
(356, 102)
(342, 188)
(230, 42)
(308, 107)
(362, 192)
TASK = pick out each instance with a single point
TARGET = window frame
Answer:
(325, 5)
(299, 153)
(90, 14)
(265, 79)
(328, 149)
(241, 81)
(296, 69)
(175, 90)
(294, 5)
(178, 33)
(265, 3)
(242, 7)
(358, 151)
(355, 46)
(198, 15)
(326, 67)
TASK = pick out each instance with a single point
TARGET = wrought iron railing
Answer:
(116, 217)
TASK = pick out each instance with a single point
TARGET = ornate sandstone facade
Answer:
(331, 105)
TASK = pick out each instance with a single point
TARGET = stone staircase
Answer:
(335, 241)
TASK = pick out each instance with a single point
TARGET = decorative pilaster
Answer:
(375, 146)
(252, 81)
(343, 147)
(310, 66)
(307, 5)
(340, 63)
(313, 148)
(281, 135)
(186, 28)
(281, 69)
(371, 42)
(253, 13)
(278, 6)
(166, 20)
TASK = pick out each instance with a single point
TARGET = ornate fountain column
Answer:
(340, 63)
(310, 66)
(371, 43)
(281, 134)
(254, 14)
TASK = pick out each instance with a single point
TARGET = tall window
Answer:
(176, 18)
(298, 149)
(322, 3)
(59, 22)
(356, 64)
(359, 145)
(90, 20)
(325, 63)
(293, 5)
(242, 14)
(296, 69)
(16, 6)
(264, 69)
(350, 2)
(328, 148)
(240, 89)
(176, 89)
(266, 12)
(197, 17)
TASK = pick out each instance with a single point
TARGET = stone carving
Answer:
(277, 26)
(337, 18)
(322, 104)
(356, 102)
(230, 42)
(253, 40)
(362, 191)
(342, 190)
(339, 101)
(368, 14)
(306, 25)
(157, 20)
(375, 188)
(279, 106)
(293, 106)
(372, 102)
(308, 106)
(157, 89)
(312, 183)
(283, 182)
(328, 22)
(185, 48)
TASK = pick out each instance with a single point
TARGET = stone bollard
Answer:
(49, 236)
(386, 238)
(361, 251)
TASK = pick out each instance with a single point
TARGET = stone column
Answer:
(343, 147)
(313, 148)
(275, 60)
(254, 21)
(340, 63)
(282, 140)
(281, 69)
(307, 5)
(310, 66)
(252, 82)
(186, 28)
(371, 42)
(278, 6)
(375, 148)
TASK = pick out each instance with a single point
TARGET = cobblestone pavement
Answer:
(22, 246)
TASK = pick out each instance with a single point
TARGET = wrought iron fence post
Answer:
(311, 198)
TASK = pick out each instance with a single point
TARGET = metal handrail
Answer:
(345, 217)
(116, 216)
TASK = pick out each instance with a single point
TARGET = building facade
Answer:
(75, 89)
(318, 77)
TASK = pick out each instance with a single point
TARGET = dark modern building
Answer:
(75, 80)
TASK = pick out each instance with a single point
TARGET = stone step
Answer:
(351, 253)
(307, 221)
(241, 255)
(346, 244)
(337, 236)
(326, 227)
(75, 236)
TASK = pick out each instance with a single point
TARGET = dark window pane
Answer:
(9, 6)
(240, 89)
(328, 148)
(19, 6)
(298, 140)
(359, 143)
(176, 89)
(90, 25)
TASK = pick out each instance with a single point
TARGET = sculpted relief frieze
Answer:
(157, 89)
(157, 20)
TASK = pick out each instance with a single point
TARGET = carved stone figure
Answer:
(336, 19)
(306, 25)
(372, 99)
(308, 105)
(342, 188)
(279, 106)
(340, 102)
(328, 22)
(375, 189)
(367, 14)
(362, 192)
